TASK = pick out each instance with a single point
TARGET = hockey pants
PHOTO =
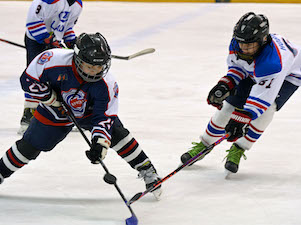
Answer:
(40, 137)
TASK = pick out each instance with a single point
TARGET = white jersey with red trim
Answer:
(278, 61)
(52, 16)
(94, 104)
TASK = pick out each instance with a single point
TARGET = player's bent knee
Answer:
(27, 150)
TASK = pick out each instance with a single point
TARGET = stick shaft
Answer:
(73, 119)
(192, 160)
(12, 43)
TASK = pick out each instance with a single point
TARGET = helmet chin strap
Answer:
(248, 58)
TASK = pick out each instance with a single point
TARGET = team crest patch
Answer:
(77, 102)
(45, 57)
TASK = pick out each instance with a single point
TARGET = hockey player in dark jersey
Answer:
(80, 78)
(49, 24)
(263, 73)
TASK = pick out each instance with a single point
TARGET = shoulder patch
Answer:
(233, 46)
(45, 57)
(268, 62)
(116, 90)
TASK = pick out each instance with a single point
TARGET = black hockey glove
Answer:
(70, 44)
(221, 91)
(238, 124)
(98, 150)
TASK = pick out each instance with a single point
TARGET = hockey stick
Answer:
(108, 177)
(12, 43)
(140, 53)
(189, 162)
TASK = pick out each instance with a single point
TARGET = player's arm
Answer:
(105, 107)
(35, 24)
(225, 86)
(69, 38)
(69, 35)
(34, 82)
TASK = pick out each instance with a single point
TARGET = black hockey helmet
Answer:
(251, 28)
(94, 50)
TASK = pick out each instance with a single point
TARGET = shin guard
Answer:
(16, 157)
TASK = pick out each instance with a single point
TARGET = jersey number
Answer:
(38, 87)
(38, 9)
(107, 123)
(262, 83)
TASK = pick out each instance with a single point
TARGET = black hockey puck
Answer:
(109, 178)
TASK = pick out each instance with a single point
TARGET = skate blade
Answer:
(157, 193)
(74, 129)
(228, 174)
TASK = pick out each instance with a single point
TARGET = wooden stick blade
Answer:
(140, 53)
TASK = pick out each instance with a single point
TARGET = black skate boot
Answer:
(233, 158)
(1, 178)
(25, 120)
(148, 173)
(196, 149)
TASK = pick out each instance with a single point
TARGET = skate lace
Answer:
(196, 148)
(235, 154)
(149, 175)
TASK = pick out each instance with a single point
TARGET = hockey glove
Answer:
(52, 100)
(98, 150)
(51, 42)
(221, 91)
(238, 124)
(70, 44)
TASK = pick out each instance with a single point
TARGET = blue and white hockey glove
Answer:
(221, 91)
(238, 124)
(98, 150)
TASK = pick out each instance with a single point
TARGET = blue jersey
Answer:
(54, 70)
(278, 61)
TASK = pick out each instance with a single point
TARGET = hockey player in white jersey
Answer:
(49, 24)
(80, 78)
(264, 70)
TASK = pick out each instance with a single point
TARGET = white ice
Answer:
(163, 103)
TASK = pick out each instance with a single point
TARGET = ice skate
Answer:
(1, 178)
(196, 149)
(25, 120)
(233, 159)
(148, 173)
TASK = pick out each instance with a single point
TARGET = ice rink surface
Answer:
(163, 103)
